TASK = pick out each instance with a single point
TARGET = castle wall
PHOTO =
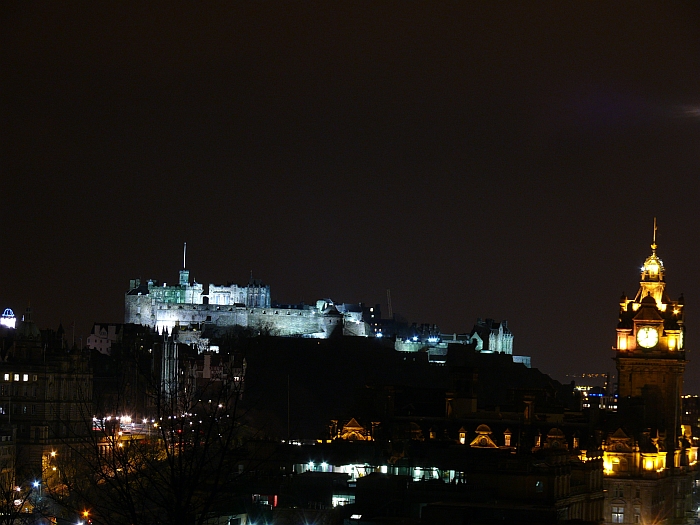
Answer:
(144, 310)
(164, 307)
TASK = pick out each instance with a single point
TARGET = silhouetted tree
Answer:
(174, 466)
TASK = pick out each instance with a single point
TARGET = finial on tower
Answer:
(184, 254)
(653, 269)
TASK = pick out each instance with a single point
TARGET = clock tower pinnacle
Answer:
(652, 281)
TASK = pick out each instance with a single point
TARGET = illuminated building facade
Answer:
(163, 307)
(8, 318)
(492, 336)
(651, 351)
(649, 464)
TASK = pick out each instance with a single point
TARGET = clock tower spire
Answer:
(653, 274)
(650, 353)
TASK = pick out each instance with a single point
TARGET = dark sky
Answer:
(478, 159)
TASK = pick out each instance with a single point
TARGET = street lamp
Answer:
(37, 484)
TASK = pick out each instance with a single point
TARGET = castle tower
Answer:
(650, 355)
(184, 273)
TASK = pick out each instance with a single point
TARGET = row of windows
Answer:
(16, 377)
(4, 409)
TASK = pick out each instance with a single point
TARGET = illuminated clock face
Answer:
(647, 336)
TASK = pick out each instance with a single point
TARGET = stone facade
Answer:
(640, 486)
(492, 336)
(163, 307)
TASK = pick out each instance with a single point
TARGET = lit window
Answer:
(25, 377)
(16, 378)
(7, 377)
(618, 514)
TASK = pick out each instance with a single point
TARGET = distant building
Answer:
(103, 335)
(487, 336)
(492, 336)
(690, 413)
(8, 318)
(596, 390)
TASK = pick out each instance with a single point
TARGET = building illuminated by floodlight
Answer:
(164, 307)
(650, 460)
(8, 318)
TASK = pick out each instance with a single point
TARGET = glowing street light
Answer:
(37, 484)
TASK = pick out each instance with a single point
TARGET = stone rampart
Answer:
(307, 322)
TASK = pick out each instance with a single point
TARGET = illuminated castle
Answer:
(185, 304)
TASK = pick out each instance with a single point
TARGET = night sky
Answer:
(478, 159)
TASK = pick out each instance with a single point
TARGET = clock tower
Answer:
(651, 354)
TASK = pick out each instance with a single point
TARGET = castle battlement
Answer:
(164, 307)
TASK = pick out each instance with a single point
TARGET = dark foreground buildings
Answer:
(482, 440)
(350, 430)
(45, 395)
